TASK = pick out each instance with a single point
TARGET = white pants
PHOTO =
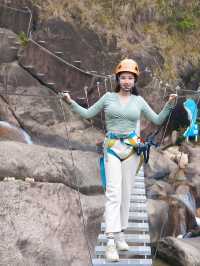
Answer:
(120, 177)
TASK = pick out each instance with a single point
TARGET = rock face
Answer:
(180, 252)
(17, 20)
(41, 114)
(8, 39)
(41, 224)
(72, 40)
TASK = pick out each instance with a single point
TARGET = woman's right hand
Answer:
(67, 97)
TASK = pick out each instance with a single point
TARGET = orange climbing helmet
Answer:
(127, 65)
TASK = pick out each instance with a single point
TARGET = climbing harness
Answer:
(144, 147)
(139, 146)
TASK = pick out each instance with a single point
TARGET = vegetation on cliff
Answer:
(172, 26)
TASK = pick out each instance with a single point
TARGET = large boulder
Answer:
(180, 252)
(40, 112)
(42, 224)
(76, 169)
(159, 189)
(159, 165)
(193, 170)
(169, 217)
(158, 216)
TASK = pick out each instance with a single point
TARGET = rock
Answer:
(159, 190)
(46, 126)
(41, 224)
(99, 54)
(180, 217)
(182, 160)
(158, 213)
(75, 169)
(169, 217)
(93, 209)
(5, 112)
(198, 212)
(181, 252)
(174, 137)
(172, 152)
(177, 175)
(159, 165)
(7, 54)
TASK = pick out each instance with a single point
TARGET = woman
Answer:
(122, 112)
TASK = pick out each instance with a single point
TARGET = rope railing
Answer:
(69, 64)
(24, 11)
(91, 73)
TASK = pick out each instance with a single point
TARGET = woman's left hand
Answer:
(172, 98)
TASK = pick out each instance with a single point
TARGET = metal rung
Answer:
(138, 191)
(40, 74)
(11, 37)
(130, 238)
(123, 262)
(17, 43)
(58, 52)
(137, 250)
(144, 227)
(138, 198)
(14, 48)
(138, 185)
(81, 98)
(139, 179)
(30, 67)
(50, 83)
(40, 41)
(140, 174)
(138, 216)
(138, 206)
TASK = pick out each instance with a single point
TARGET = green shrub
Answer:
(185, 24)
(23, 38)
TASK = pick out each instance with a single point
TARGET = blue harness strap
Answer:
(103, 173)
(113, 153)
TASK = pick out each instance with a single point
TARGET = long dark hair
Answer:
(134, 90)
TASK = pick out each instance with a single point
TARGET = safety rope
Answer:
(67, 63)
(14, 8)
(162, 139)
(76, 179)
(71, 154)
(168, 119)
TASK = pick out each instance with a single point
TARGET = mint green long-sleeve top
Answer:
(122, 117)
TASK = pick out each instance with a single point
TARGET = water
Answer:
(27, 138)
(188, 200)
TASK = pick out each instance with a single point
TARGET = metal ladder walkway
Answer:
(137, 233)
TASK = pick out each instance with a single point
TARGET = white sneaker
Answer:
(122, 245)
(120, 242)
(111, 253)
